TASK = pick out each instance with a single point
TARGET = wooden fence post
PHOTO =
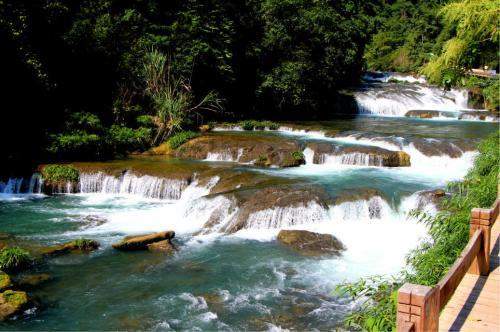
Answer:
(482, 219)
(418, 308)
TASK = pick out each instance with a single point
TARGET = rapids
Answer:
(230, 273)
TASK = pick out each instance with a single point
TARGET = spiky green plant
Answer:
(15, 258)
(171, 96)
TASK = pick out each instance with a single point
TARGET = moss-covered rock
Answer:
(262, 151)
(5, 281)
(12, 303)
(130, 243)
(309, 243)
(75, 246)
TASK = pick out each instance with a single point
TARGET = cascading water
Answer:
(281, 217)
(13, 186)
(397, 99)
(354, 159)
(226, 155)
(16, 186)
(129, 183)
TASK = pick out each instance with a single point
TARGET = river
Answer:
(230, 273)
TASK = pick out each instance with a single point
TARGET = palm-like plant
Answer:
(172, 97)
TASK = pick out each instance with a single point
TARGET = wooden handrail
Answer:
(419, 306)
(452, 279)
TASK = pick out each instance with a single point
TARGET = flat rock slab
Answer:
(310, 243)
(141, 242)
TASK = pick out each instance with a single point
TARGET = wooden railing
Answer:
(419, 306)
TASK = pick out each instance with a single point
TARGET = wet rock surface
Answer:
(75, 246)
(309, 243)
(264, 151)
(12, 303)
(442, 147)
(143, 242)
(33, 280)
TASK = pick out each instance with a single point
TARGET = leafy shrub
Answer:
(247, 125)
(178, 139)
(60, 173)
(271, 125)
(298, 156)
(377, 310)
(492, 95)
(145, 121)
(75, 144)
(15, 258)
(125, 139)
(85, 244)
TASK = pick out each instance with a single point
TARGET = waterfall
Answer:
(36, 183)
(308, 156)
(280, 217)
(354, 158)
(13, 186)
(225, 155)
(373, 208)
(129, 183)
(397, 99)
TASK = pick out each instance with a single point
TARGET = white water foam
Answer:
(384, 77)
(386, 102)
(131, 184)
(224, 156)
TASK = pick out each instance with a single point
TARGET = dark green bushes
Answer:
(258, 125)
(60, 173)
(178, 139)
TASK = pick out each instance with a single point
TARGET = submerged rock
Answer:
(76, 246)
(165, 246)
(141, 242)
(309, 243)
(33, 280)
(12, 303)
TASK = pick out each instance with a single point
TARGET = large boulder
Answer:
(12, 303)
(309, 243)
(130, 243)
(75, 246)
(262, 151)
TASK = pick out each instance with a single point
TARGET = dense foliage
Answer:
(60, 173)
(442, 39)
(101, 78)
(180, 138)
(449, 232)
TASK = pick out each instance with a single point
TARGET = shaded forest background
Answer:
(79, 76)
